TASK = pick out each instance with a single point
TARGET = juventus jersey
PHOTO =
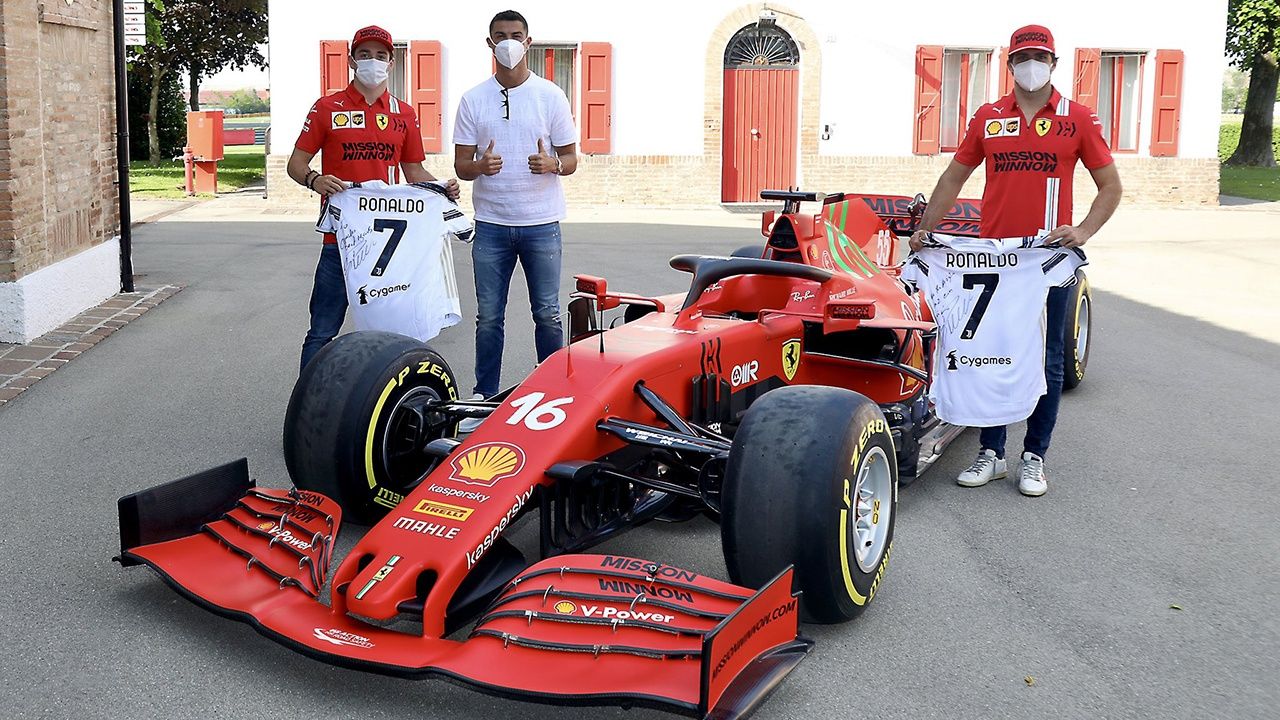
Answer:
(988, 300)
(395, 255)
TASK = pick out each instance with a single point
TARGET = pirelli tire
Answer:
(1076, 332)
(812, 482)
(359, 417)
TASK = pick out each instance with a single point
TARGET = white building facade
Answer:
(698, 104)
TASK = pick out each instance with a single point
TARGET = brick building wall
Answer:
(57, 137)
(694, 181)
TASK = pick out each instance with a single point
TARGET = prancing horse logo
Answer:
(791, 358)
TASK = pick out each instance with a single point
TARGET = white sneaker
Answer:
(985, 468)
(470, 424)
(1031, 480)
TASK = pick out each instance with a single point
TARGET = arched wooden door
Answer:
(761, 113)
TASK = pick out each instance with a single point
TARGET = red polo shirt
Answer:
(361, 141)
(1030, 166)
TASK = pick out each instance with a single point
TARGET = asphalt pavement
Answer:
(1145, 584)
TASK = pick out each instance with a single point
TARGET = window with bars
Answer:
(761, 46)
(555, 63)
(398, 79)
(1120, 98)
(965, 75)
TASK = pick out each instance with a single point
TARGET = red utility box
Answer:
(204, 137)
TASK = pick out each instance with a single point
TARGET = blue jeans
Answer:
(328, 303)
(1045, 416)
(494, 253)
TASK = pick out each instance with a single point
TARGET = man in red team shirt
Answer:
(1030, 141)
(366, 133)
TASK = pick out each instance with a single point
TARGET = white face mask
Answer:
(509, 53)
(371, 72)
(1031, 75)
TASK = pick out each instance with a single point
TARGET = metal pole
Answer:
(122, 151)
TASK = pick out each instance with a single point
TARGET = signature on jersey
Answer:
(948, 304)
(356, 246)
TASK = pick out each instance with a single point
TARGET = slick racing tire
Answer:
(812, 482)
(1075, 333)
(360, 416)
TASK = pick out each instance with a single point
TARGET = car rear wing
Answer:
(902, 213)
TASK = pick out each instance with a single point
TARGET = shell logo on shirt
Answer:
(348, 119)
(1006, 127)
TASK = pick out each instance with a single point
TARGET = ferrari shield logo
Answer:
(382, 122)
(1042, 126)
(790, 358)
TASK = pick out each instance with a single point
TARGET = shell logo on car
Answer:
(564, 607)
(487, 463)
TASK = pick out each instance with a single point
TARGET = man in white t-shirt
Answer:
(518, 203)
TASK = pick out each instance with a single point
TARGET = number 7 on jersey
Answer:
(988, 281)
(397, 228)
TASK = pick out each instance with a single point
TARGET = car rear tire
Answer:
(359, 418)
(812, 482)
(1076, 332)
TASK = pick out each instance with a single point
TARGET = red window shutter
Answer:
(1088, 62)
(596, 108)
(549, 64)
(334, 73)
(1006, 77)
(425, 88)
(1167, 109)
(926, 138)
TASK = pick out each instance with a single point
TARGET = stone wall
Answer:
(59, 212)
(694, 181)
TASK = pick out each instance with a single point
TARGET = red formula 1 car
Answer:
(782, 395)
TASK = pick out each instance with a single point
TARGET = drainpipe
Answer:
(122, 150)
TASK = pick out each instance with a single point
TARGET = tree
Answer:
(246, 102)
(170, 123)
(1253, 39)
(200, 37)
(1235, 84)
(222, 34)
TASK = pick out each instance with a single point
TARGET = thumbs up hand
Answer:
(490, 162)
(541, 162)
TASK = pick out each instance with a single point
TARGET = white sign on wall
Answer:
(135, 23)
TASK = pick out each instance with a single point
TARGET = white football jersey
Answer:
(988, 300)
(394, 242)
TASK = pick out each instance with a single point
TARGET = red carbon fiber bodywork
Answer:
(755, 331)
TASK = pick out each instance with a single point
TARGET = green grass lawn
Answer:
(241, 165)
(1248, 182)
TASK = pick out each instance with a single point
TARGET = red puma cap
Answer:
(1032, 37)
(374, 33)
